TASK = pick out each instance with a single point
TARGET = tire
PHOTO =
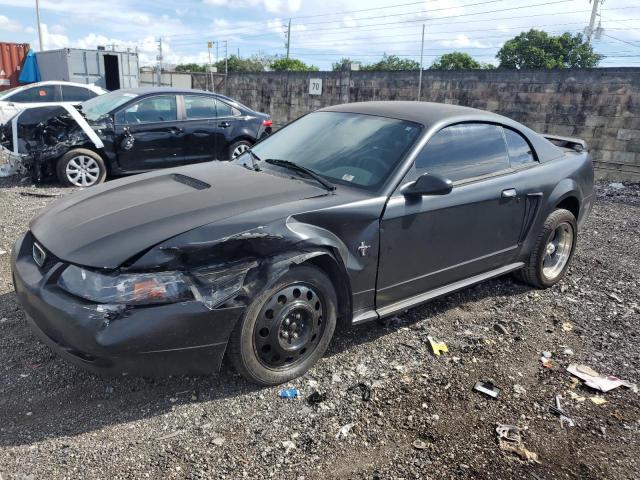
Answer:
(81, 168)
(238, 148)
(267, 346)
(547, 265)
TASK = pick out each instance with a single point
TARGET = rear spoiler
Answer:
(576, 144)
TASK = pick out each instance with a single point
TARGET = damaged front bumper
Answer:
(178, 338)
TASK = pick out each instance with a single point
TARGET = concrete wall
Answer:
(601, 105)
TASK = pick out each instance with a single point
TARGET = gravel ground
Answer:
(423, 419)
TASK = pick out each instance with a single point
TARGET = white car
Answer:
(44, 93)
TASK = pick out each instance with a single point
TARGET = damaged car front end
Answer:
(39, 136)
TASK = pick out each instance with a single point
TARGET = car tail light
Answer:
(267, 123)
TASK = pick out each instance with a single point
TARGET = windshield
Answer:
(347, 148)
(98, 106)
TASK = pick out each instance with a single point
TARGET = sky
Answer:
(322, 32)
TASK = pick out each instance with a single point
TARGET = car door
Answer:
(226, 128)
(200, 128)
(149, 134)
(431, 241)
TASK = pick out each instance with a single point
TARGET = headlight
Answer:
(130, 289)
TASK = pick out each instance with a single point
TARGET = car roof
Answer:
(426, 113)
(149, 90)
(436, 115)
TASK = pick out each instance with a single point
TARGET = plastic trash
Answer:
(487, 388)
(437, 347)
(344, 430)
(289, 393)
(596, 381)
(510, 440)
(559, 411)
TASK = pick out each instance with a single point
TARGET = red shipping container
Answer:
(11, 59)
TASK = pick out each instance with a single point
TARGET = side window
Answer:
(76, 94)
(464, 151)
(161, 108)
(224, 109)
(45, 93)
(199, 107)
(520, 152)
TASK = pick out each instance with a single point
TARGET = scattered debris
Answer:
(558, 410)
(598, 400)
(487, 388)
(27, 193)
(335, 378)
(576, 397)
(614, 297)
(500, 328)
(567, 326)
(519, 389)
(344, 430)
(365, 390)
(616, 185)
(316, 397)
(437, 347)
(171, 435)
(596, 381)
(546, 362)
(218, 441)
(510, 440)
(3, 252)
(288, 446)
(289, 393)
(567, 352)
(361, 369)
(420, 444)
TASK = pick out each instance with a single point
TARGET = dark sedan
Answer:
(349, 214)
(132, 131)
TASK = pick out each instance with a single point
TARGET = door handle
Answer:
(176, 130)
(509, 193)
(224, 124)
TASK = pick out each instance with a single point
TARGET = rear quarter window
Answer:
(520, 152)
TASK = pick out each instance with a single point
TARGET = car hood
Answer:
(104, 226)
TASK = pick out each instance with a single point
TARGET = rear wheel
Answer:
(238, 148)
(286, 329)
(550, 257)
(81, 168)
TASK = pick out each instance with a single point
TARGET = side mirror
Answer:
(427, 184)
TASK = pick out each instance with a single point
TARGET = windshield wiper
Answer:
(299, 168)
(254, 158)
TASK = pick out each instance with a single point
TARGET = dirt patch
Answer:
(423, 419)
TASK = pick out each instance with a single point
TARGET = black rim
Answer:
(289, 326)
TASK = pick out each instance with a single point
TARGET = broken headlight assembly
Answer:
(129, 289)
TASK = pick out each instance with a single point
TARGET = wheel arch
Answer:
(566, 195)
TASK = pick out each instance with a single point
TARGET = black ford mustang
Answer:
(348, 214)
(132, 131)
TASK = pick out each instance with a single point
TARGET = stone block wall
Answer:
(599, 105)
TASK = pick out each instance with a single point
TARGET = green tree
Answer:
(458, 61)
(337, 66)
(538, 49)
(392, 62)
(190, 67)
(284, 64)
(239, 64)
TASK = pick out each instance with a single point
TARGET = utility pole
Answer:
(159, 58)
(226, 69)
(39, 27)
(217, 55)
(288, 37)
(592, 21)
(421, 55)
(209, 45)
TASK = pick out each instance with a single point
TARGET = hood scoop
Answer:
(190, 181)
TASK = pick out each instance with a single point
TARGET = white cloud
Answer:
(51, 40)
(272, 6)
(8, 25)
(462, 41)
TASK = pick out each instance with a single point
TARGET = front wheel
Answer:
(286, 329)
(81, 168)
(550, 257)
